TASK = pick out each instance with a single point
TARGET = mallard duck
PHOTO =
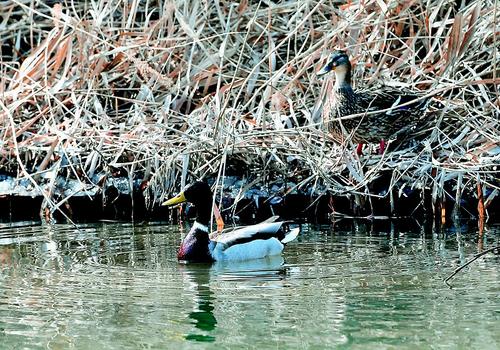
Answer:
(236, 244)
(399, 110)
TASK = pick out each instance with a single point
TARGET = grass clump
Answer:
(173, 90)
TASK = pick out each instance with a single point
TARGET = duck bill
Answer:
(176, 200)
(324, 70)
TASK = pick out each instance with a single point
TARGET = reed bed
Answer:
(164, 92)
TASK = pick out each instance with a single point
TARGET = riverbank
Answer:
(115, 202)
(106, 105)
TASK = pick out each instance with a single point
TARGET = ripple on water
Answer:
(120, 286)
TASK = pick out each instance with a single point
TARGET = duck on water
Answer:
(235, 244)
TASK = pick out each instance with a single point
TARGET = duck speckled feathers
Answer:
(399, 110)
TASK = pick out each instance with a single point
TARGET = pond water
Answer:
(119, 286)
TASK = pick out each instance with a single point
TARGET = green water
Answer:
(116, 286)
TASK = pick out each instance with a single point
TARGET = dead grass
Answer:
(170, 91)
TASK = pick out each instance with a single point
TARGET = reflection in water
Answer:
(270, 267)
(203, 317)
(199, 276)
(351, 288)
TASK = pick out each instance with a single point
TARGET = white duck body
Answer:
(252, 242)
(237, 244)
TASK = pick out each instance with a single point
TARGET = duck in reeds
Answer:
(381, 114)
(235, 244)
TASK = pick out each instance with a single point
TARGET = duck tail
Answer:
(290, 236)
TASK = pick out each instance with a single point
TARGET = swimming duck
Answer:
(237, 244)
(399, 110)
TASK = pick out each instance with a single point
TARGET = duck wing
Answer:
(402, 112)
(244, 234)
(399, 101)
(252, 242)
(216, 234)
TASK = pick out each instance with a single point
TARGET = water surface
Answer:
(119, 286)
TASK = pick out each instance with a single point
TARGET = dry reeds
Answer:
(169, 90)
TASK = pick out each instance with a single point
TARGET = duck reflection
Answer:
(200, 275)
(202, 317)
(271, 267)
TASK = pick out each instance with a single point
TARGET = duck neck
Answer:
(343, 78)
(204, 210)
(195, 246)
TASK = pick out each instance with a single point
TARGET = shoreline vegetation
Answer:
(122, 103)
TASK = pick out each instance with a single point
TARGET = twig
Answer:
(474, 258)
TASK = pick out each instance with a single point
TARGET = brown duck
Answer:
(399, 110)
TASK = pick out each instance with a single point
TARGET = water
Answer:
(116, 286)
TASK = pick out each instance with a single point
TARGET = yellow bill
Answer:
(176, 200)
